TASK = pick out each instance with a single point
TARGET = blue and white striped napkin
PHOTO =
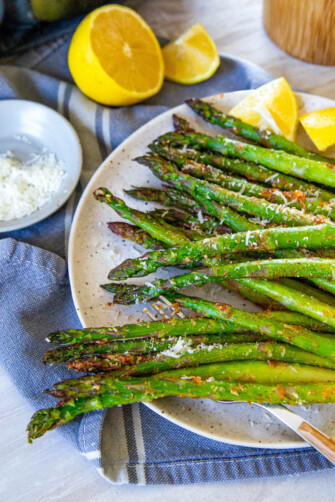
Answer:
(129, 444)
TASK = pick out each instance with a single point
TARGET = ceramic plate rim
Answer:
(298, 444)
(40, 213)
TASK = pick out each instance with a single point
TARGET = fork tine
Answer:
(175, 311)
(159, 309)
(149, 314)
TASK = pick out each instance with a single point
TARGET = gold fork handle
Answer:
(320, 441)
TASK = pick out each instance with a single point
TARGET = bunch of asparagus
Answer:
(255, 217)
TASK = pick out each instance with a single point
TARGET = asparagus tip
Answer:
(191, 101)
(141, 159)
(180, 124)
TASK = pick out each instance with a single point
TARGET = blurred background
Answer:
(26, 24)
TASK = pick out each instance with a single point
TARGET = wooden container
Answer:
(303, 28)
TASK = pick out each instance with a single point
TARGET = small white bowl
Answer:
(28, 128)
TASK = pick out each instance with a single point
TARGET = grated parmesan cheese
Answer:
(247, 237)
(25, 187)
(177, 350)
(259, 221)
(200, 217)
(283, 197)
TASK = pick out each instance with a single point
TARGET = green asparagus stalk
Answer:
(131, 289)
(155, 329)
(240, 223)
(200, 205)
(309, 290)
(117, 288)
(251, 171)
(175, 327)
(262, 370)
(224, 214)
(135, 234)
(295, 199)
(250, 205)
(202, 224)
(300, 267)
(240, 128)
(248, 293)
(155, 363)
(176, 217)
(307, 169)
(326, 285)
(293, 335)
(195, 166)
(164, 233)
(181, 124)
(261, 240)
(294, 300)
(322, 253)
(146, 389)
(138, 235)
(192, 233)
(152, 364)
(166, 196)
(143, 346)
(262, 301)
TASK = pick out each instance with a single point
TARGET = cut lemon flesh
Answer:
(272, 106)
(115, 58)
(320, 127)
(191, 58)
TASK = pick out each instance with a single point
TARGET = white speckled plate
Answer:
(94, 250)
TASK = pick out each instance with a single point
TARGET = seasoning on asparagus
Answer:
(151, 363)
(164, 233)
(262, 301)
(307, 169)
(244, 370)
(240, 128)
(250, 205)
(250, 170)
(294, 300)
(294, 199)
(135, 234)
(143, 346)
(269, 269)
(201, 223)
(175, 327)
(326, 285)
(167, 196)
(294, 335)
(307, 289)
(260, 240)
(148, 388)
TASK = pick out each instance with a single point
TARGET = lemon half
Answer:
(115, 58)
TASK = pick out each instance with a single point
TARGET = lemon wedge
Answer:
(114, 57)
(272, 106)
(320, 127)
(191, 58)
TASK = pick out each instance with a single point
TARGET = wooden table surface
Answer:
(237, 28)
(50, 470)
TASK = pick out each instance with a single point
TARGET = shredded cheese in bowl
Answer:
(26, 186)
